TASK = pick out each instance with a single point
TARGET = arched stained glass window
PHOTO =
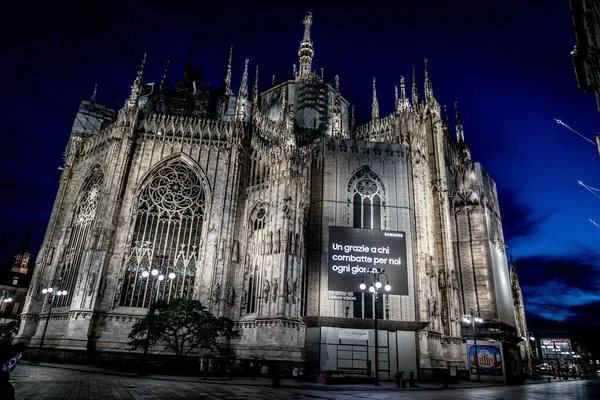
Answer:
(367, 194)
(79, 234)
(164, 257)
(257, 223)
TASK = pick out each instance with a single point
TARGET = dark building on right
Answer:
(586, 55)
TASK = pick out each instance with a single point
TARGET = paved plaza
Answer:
(39, 382)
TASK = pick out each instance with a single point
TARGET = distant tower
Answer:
(306, 51)
(21, 264)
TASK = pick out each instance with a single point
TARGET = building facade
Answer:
(229, 196)
(14, 283)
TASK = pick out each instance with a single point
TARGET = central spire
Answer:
(306, 51)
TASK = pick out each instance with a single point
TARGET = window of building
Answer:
(82, 222)
(166, 237)
(257, 223)
(366, 192)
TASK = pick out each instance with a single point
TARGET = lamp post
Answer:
(374, 286)
(472, 319)
(47, 292)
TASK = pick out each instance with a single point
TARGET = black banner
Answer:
(354, 253)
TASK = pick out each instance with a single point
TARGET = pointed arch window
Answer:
(79, 234)
(257, 223)
(367, 193)
(166, 237)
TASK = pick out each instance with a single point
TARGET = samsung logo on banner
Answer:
(354, 334)
(391, 234)
(342, 297)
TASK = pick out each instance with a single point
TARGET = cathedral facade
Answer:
(228, 197)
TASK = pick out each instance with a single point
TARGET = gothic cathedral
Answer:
(227, 198)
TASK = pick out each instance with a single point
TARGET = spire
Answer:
(244, 85)
(255, 94)
(322, 73)
(187, 72)
(295, 71)
(306, 51)
(460, 134)
(164, 83)
(375, 107)
(428, 85)
(396, 102)
(242, 99)
(352, 120)
(403, 101)
(415, 88)
(137, 85)
(226, 88)
(337, 83)
(445, 116)
(94, 94)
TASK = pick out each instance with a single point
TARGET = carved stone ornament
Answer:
(216, 293)
(266, 288)
(295, 291)
(91, 282)
(274, 288)
(230, 295)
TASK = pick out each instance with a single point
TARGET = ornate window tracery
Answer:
(79, 235)
(368, 195)
(257, 223)
(166, 238)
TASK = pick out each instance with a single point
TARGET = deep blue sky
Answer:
(509, 68)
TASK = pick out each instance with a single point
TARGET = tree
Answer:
(146, 332)
(181, 325)
(228, 333)
(8, 331)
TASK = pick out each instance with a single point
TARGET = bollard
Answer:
(549, 379)
(411, 381)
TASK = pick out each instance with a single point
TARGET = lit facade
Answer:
(232, 204)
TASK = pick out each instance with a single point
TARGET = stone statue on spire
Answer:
(136, 89)
(306, 51)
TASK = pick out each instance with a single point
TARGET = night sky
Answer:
(509, 68)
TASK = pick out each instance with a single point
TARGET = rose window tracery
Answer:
(166, 237)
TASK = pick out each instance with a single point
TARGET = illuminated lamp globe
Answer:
(531, 338)
(50, 290)
(387, 287)
(363, 286)
(44, 291)
(466, 320)
(154, 272)
(172, 275)
(64, 292)
(378, 284)
(161, 277)
(145, 274)
(371, 289)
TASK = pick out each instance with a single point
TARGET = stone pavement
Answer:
(45, 381)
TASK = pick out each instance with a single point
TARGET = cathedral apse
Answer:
(230, 196)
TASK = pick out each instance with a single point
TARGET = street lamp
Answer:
(375, 285)
(47, 292)
(472, 319)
